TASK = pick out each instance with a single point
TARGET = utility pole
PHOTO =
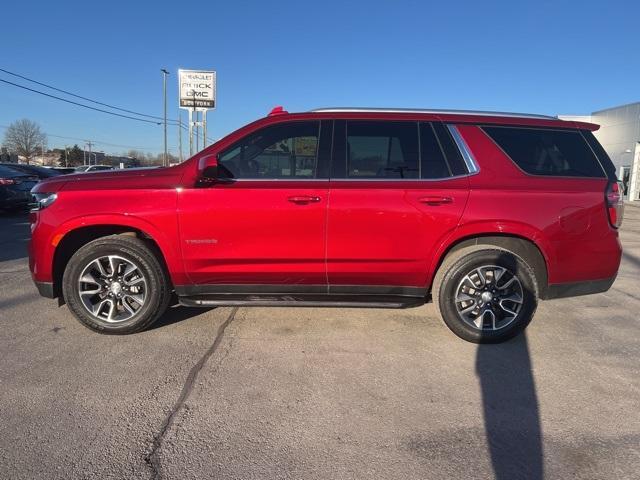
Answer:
(90, 144)
(66, 155)
(164, 90)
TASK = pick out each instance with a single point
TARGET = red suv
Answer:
(485, 213)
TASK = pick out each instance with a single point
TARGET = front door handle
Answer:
(303, 199)
(434, 201)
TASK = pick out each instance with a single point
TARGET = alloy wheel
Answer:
(113, 289)
(489, 298)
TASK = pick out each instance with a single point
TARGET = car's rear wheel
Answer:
(485, 294)
(116, 285)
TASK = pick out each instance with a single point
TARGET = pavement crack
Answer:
(152, 458)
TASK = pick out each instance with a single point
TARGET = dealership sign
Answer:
(197, 89)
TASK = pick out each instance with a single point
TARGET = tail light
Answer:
(7, 181)
(615, 203)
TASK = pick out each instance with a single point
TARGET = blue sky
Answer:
(544, 57)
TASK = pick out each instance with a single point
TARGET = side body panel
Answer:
(146, 203)
(251, 232)
(565, 217)
(385, 232)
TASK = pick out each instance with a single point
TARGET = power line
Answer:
(80, 96)
(172, 122)
(80, 104)
(66, 92)
(135, 147)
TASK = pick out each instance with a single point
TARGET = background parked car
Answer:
(38, 171)
(63, 170)
(15, 188)
(92, 168)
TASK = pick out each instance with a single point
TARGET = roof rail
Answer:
(434, 111)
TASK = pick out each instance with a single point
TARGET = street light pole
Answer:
(164, 90)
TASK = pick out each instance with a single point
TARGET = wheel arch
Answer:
(525, 248)
(80, 236)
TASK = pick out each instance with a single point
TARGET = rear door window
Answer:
(382, 149)
(450, 149)
(547, 152)
(433, 164)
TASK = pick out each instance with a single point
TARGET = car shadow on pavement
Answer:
(631, 258)
(510, 408)
(177, 313)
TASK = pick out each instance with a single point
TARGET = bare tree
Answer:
(24, 138)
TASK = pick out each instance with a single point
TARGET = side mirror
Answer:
(210, 171)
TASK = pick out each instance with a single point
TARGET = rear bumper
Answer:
(575, 289)
(45, 289)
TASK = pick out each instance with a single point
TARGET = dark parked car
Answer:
(36, 170)
(15, 188)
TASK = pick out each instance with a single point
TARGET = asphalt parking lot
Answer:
(318, 393)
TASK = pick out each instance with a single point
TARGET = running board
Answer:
(301, 300)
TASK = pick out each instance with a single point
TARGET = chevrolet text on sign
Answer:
(197, 89)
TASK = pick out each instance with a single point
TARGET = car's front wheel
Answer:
(485, 294)
(116, 285)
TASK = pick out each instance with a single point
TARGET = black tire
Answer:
(157, 286)
(463, 262)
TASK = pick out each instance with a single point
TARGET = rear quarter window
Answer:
(547, 152)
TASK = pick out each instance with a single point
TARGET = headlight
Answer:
(42, 200)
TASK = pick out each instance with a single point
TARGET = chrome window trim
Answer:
(234, 180)
(484, 113)
(443, 179)
(467, 155)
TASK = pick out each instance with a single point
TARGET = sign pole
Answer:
(204, 129)
(190, 133)
(180, 135)
(197, 124)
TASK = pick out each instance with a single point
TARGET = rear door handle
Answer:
(303, 199)
(435, 200)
